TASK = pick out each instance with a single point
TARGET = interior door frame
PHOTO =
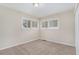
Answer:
(77, 28)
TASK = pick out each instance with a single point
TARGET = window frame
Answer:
(48, 20)
(41, 24)
(29, 19)
(22, 20)
(36, 22)
(58, 23)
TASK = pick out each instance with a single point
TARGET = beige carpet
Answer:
(39, 47)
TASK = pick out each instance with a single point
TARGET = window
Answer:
(26, 23)
(53, 23)
(44, 24)
(34, 24)
(29, 23)
(50, 24)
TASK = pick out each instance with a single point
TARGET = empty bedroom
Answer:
(37, 29)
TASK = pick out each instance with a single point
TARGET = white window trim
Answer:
(28, 18)
(49, 19)
(37, 24)
(58, 23)
(23, 28)
(42, 22)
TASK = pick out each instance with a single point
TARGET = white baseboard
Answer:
(16, 44)
(60, 43)
(26, 41)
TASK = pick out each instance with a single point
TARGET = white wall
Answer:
(11, 32)
(66, 32)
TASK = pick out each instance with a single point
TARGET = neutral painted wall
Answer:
(11, 32)
(66, 32)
